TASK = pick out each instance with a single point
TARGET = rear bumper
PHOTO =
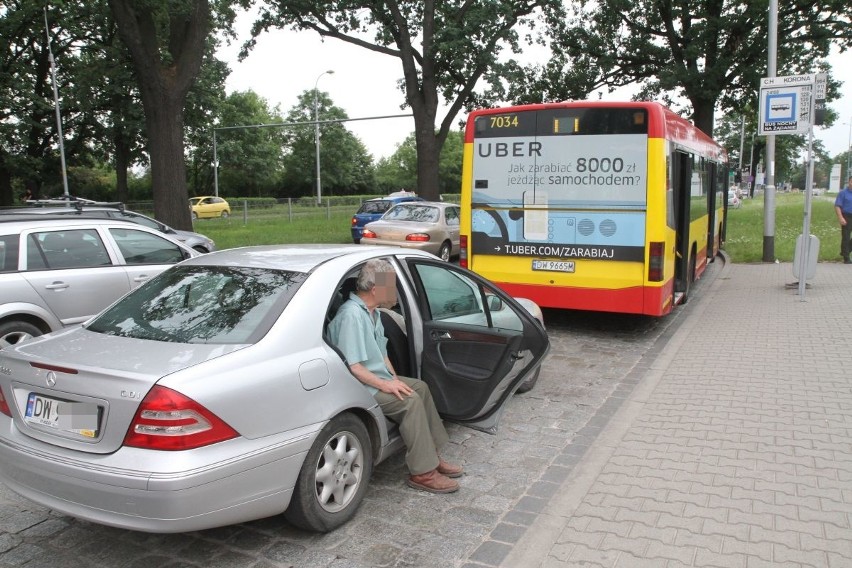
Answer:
(431, 246)
(157, 491)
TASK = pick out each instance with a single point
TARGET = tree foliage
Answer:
(346, 167)
(29, 156)
(710, 52)
(399, 171)
(445, 48)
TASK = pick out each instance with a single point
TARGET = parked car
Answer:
(426, 225)
(86, 208)
(208, 206)
(373, 209)
(211, 396)
(58, 271)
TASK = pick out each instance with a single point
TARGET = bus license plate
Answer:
(77, 417)
(553, 265)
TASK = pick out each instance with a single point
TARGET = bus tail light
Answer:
(463, 251)
(656, 260)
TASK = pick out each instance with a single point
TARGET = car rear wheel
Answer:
(334, 476)
(225, 214)
(444, 253)
(14, 332)
(194, 215)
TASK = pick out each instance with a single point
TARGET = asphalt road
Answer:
(594, 362)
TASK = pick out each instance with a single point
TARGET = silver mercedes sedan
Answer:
(210, 395)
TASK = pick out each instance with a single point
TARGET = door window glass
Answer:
(139, 247)
(79, 248)
(454, 297)
(9, 253)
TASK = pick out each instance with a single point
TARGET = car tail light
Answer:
(168, 420)
(368, 234)
(418, 237)
(463, 251)
(354, 221)
(4, 406)
(656, 259)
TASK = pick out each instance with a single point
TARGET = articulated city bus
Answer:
(599, 206)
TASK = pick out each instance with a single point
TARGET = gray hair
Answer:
(367, 278)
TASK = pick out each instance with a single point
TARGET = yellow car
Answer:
(209, 206)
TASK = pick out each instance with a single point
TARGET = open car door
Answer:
(478, 343)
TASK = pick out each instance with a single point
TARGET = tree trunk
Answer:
(163, 84)
(702, 114)
(122, 163)
(6, 197)
(164, 124)
(428, 152)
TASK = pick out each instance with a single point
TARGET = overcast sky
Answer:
(284, 64)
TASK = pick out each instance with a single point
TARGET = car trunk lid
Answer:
(60, 397)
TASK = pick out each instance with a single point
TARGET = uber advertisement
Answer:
(569, 197)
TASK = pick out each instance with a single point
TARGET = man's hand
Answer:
(396, 387)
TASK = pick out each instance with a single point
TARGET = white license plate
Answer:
(553, 265)
(76, 417)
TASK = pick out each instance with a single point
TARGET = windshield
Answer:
(413, 212)
(202, 304)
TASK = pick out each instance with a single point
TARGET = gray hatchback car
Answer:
(86, 208)
(57, 271)
(211, 396)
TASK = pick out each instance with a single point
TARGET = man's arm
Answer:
(394, 386)
(840, 216)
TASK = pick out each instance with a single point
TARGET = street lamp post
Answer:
(316, 134)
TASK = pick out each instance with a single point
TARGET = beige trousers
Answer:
(419, 425)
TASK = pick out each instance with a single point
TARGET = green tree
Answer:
(445, 48)
(346, 167)
(28, 131)
(710, 52)
(249, 158)
(399, 171)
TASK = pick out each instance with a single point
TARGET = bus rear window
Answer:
(563, 121)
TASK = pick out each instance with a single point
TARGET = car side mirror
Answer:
(495, 303)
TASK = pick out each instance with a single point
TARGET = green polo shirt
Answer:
(360, 336)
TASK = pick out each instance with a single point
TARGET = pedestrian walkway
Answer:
(735, 447)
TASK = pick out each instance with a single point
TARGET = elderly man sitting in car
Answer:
(357, 331)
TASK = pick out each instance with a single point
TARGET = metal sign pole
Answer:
(806, 224)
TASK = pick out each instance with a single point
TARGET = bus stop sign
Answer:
(786, 104)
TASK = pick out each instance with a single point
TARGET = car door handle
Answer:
(57, 286)
(441, 335)
(517, 356)
(141, 278)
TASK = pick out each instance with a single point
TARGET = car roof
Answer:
(16, 223)
(298, 257)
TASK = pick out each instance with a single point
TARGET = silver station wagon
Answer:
(211, 396)
(57, 271)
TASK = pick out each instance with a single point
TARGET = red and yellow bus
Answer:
(600, 206)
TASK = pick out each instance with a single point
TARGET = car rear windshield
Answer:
(414, 212)
(202, 304)
(374, 206)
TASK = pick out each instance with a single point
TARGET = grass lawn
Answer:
(744, 242)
